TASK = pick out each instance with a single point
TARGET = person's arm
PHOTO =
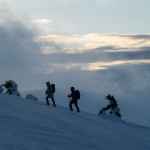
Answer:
(69, 95)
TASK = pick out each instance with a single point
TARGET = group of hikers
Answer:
(74, 96)
(10, 87)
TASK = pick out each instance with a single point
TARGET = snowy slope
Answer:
(134, 109)
(90, 102)
(30, 125)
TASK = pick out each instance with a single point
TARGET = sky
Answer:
(76, 16)
(104, 42)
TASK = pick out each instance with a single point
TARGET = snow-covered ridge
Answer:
(133, 108)
(31, 125)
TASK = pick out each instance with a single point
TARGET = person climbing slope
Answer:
(50, 91)
(74, 97)
(112, 106)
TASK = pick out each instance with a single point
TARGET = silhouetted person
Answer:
(74, 97)
(112, 106)
(50, 93)
(11, 87)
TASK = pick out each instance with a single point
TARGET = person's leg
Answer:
(118, 114)
(104, 109)
(70, 105)
(100, 112)
(9, 91)
(47, 101)
(76, 105)
(54, 104)
(116, 111)
(108, 107)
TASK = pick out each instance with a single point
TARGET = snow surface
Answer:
(31, 125)
(133, 109)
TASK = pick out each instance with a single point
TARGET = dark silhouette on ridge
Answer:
(112, 106)
(74, 97)
(11, 87)
(50, 93)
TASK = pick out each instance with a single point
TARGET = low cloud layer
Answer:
(87, 42)
(20, 55)
(95, 51)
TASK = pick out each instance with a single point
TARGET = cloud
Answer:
(93, 52)
(94, 66)
(43, 25)
(17, 45)
(42, 21)
(20, 55)
(137, 36)
(82, 43)
(106, 65)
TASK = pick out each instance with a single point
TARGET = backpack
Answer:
(53, 88)
(77, 94)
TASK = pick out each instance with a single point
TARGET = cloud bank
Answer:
(20, 55)
(87, 42)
